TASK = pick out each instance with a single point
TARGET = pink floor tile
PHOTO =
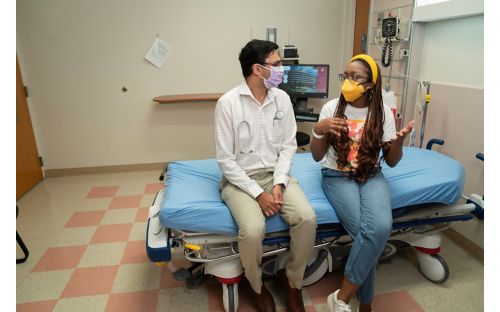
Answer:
(39, 306)
(102, 191)
(88, 218)
(167, 279)
(245, 295)
(90, 281)
(111, 233)
(131, 201)
(153, 188)
(144, 301)
(135, 252)
(321, 289)
(308, 308)
(396, 301)
(142, 214)
(60, 258)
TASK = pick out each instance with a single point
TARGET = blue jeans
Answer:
(364, 209)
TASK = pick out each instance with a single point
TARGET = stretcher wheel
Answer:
(389, 250)
(391, 247)
(318, 264)
(317, 269)
(433, 267)
(230, 297)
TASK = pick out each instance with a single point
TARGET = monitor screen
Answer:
(306, 80)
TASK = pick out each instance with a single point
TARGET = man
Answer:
(255, 141)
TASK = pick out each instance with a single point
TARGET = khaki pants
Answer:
(295, 210)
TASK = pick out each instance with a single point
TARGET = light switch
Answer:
(272, 34)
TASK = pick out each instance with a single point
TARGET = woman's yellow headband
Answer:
(371, 62)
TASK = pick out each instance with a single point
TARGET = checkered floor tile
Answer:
(89, 255)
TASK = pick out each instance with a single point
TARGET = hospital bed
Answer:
(189, 214)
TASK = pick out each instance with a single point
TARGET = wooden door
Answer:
(360, 44)
(28, 168)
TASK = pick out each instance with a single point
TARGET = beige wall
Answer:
(76, 56)
(452, 59)
(453, 62)
(453, 52)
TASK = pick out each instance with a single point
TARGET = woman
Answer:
(347, 139)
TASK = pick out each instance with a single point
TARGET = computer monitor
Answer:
(303, 81)
(306, 80)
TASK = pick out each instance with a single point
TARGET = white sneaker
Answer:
(336, 305)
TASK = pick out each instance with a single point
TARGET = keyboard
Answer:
(306, 117)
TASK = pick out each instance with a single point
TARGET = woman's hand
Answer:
(331, 125)
(319, 145)
(401, 134)
(396, 151)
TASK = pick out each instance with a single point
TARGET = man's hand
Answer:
(278, 195)
(267, 204)
(331, 125)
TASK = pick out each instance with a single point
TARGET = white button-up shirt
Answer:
(251, 136)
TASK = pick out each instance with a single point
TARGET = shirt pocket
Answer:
(276, 132)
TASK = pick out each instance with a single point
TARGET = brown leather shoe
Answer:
(264, 301)
(294, 302)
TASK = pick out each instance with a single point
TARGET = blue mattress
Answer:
(192, 199)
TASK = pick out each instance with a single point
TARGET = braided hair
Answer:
(371, 141)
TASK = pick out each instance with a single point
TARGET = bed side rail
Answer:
(196, 255)
(436, 212)
(432, 142)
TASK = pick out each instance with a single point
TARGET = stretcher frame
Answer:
(217, 254)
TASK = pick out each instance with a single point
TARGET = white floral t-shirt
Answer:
(356, 118)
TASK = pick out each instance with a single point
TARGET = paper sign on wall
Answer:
(158, 52)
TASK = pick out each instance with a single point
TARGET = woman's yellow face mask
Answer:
(354, 76)
(351, 90)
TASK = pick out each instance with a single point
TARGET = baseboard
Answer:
(53, 173)
(466, 244)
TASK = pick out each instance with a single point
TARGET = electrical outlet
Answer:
(271, 34)
(377, 35)
(403, 53)
(380, 17)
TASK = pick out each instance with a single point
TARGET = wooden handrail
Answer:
(188, 97)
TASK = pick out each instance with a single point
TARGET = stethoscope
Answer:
(279, 115)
